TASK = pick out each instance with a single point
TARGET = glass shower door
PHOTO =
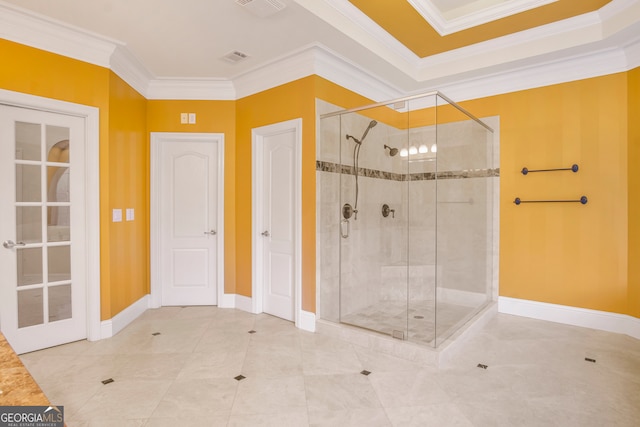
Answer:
(373, 221)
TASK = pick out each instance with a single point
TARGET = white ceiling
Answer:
(186, 39)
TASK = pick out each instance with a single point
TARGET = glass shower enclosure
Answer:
(414, 220)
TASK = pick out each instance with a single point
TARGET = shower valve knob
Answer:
(386, 210)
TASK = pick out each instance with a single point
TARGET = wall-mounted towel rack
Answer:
(573, 168)
(582, 200)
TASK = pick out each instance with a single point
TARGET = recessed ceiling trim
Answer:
(569, 33)
(445, 25)
(350, 20)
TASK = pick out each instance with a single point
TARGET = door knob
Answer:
(266, 233)
(10, 244)
(212, 232)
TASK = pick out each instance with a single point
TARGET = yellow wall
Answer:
(128, 169)
(633, 162)
(569, 254)
(211, 117)
(45, 74)
(287, 102)
(124, 247)
(566, 254)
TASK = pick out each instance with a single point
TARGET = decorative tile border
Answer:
(322, 166)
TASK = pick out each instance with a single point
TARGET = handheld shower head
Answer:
(372, 123)
(392, 151)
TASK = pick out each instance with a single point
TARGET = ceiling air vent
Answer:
(262, 8)
(235, 56)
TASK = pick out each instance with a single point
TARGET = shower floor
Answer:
(420, 324)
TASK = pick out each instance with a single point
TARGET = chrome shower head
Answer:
(392, 151)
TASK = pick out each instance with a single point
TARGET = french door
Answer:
(42, 228)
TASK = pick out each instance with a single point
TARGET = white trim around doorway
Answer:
(156, 139)
(257, 135)
(91, 116)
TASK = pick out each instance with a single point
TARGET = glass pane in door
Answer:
(59, 303)
(59, 263)
(29, 266)
(28, 183)
(42, 221)
(29, 224)
(28, 136)
(30, 309)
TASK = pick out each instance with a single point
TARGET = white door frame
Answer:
(91, 116)
(257, 148)
(158, 138)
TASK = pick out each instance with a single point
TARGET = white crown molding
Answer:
(348, 19)
(526, 45)
(345, 73)
(449, 25)
(619, 14)
(131, 70)
(532, 44)
(565, 70)
(28, 28)
(282, 70)
(191, 89)
(520, 61)
(632, 52)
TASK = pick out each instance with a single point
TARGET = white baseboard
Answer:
(244, 303)
(306, 321)
(594, 319)
(109, 328)
(227, 301)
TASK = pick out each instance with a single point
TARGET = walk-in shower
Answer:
(413, 258)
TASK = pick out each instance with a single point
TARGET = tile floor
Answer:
(536, 375)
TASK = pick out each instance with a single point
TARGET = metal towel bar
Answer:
(582, 200)
(573, 168)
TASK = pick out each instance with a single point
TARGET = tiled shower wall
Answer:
(378, 250)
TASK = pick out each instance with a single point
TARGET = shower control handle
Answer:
(386, 210)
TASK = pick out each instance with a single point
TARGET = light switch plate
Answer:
(130, 214)
(192, 118)
(117, 215)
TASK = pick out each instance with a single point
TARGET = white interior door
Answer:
(42, 226)
(277, 219)
(188, 218)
